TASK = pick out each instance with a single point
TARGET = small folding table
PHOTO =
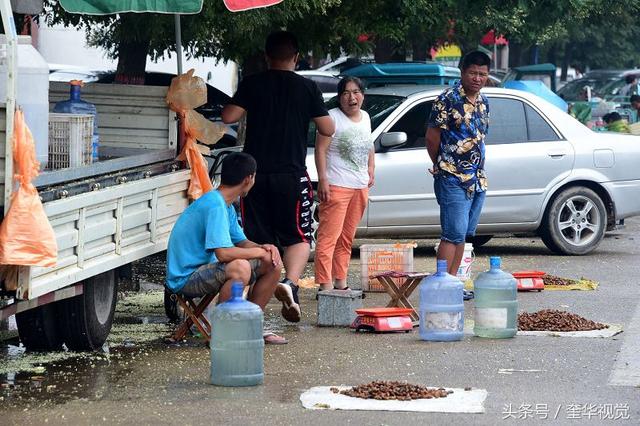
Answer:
(400, 293)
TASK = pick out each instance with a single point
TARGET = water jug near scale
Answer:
(441, 306)
(496, 303)
(237, 345)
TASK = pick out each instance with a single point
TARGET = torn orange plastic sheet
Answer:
(185, 93)
(26, 236)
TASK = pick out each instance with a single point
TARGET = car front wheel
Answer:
(575, 222)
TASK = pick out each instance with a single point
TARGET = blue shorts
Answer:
(459, 210)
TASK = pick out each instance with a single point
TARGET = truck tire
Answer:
(87, 318)
(37, 328)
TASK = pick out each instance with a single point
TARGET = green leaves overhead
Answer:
(334, 26)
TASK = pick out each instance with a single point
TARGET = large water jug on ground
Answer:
(33, 91)
(496, 303)
(237, 346)
(76, 105)
(441, 306)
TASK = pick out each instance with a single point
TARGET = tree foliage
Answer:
(591, 31)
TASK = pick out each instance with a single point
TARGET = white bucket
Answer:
(464, 271)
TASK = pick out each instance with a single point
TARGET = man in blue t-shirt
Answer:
(208, 250)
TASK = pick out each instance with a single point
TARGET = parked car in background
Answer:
(327, 82)
(376, 75)
(548, 174)
(542, 72)
(343, 63)
(65, 73)
(604, 84)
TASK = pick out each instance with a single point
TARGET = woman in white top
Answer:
(345, 164)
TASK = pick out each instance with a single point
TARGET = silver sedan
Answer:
(548, 174)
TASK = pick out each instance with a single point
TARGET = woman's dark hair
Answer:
(235, 167)
(611, 117)
(475, 58)
(281, 45)
(342, 84)
(630, 78)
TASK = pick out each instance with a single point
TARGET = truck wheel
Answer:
(37, 328)
(575, 222)
(87, 318)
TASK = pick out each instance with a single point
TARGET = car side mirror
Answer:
(393, 139)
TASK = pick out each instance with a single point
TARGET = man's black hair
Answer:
(342, 84)
(634, 98)
(475, 58)
(281, 45)
(235, 167)
(630, 78)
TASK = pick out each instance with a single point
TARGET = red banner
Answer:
(240, 5)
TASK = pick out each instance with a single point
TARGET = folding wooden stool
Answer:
(400, 293)
(194, 316)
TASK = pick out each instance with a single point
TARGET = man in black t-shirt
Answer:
(280, 105)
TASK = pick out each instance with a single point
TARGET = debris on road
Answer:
(554, 320)
(553, 282)
(385, 390)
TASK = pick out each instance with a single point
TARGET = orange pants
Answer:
(339, 218)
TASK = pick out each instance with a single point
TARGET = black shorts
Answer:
(277, 210)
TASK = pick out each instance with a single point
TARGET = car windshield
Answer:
(377, 106)
(572, 91)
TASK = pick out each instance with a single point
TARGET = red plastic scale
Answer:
(529, 280)
(383, 319)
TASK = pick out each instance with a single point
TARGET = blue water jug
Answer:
(496, 303)
(441, 306)
(237, 346)
(75, 105)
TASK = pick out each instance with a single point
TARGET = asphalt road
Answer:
(543, 380)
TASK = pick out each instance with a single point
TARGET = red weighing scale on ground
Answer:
(383, 320)
(529, 280)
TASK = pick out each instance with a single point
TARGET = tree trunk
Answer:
(384, 51)
(419, 47)
(132, 53)
(515, 54)
(552, 54)
(566, 61)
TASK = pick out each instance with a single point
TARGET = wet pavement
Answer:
(139, 379)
